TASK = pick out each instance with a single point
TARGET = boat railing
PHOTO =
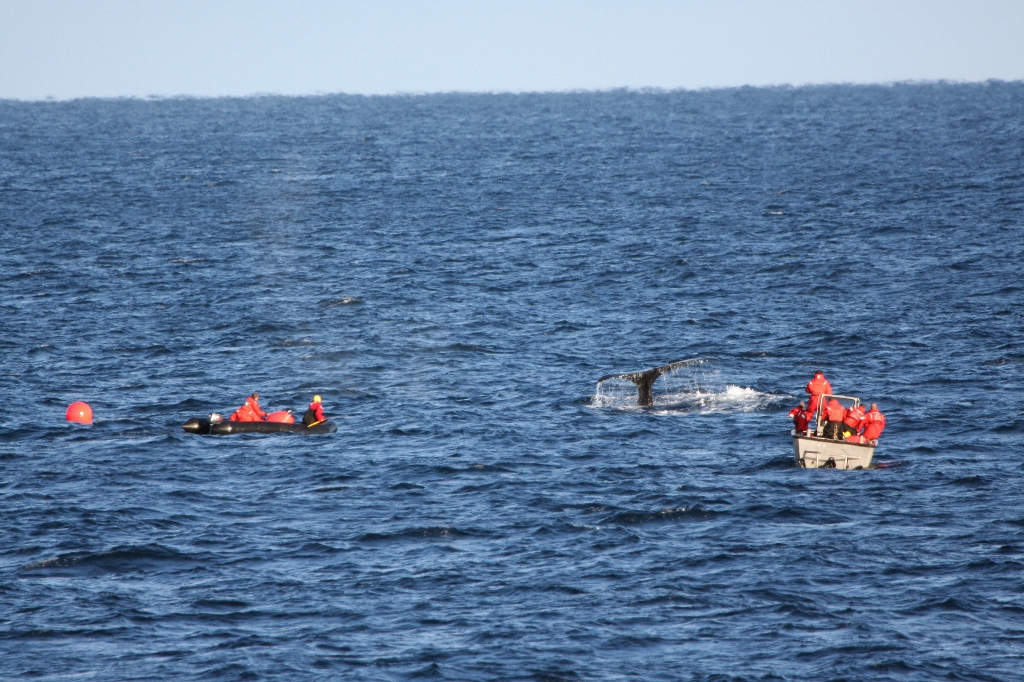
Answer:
(819, 414)
(855, 399)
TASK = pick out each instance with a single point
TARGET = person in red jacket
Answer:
(249, 411)
(817, 387)
(854, 421)
(315, 414)
(835, 413)
(874, 423)
(800, 417)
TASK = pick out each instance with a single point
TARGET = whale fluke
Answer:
(644, 380)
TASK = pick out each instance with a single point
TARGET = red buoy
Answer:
(79, 412)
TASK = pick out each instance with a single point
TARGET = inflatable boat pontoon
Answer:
(208, 427)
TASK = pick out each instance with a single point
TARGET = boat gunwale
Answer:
(819, 439)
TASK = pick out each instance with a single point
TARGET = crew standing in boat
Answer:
(249, 411)
(800, 417)
(854, 421)
(835, 413)
(817, 387)
(315, 413)
(874, 423)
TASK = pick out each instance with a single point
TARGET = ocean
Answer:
(453, 273)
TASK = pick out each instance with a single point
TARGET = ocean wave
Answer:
(123, 559)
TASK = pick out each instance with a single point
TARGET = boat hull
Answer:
(818, 453)
(207, 428)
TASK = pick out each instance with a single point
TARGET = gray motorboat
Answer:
(812, 451)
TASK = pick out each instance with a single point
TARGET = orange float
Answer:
(79, 412)
(281, 417)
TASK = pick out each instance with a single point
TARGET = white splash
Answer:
(693, 393)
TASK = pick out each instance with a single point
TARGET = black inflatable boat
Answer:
(223, 428)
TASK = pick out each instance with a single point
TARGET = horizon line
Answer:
(571, 91)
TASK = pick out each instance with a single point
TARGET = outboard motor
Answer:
(196, 425)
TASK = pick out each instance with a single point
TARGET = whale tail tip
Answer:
(645, 380)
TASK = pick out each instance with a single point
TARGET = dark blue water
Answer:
(453, 273)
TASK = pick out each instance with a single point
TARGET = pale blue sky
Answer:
(107, 48)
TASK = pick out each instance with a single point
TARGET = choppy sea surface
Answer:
(453, 273)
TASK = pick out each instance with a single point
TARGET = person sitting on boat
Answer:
(835, 413)
(800, 417)
(854, 421)
(817, 387)
(874, 423)
(249, 411)
(315, 414)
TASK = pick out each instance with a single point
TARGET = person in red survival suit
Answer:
(800, 418)
(315, 414)
(874, 423)
(854, 421)
(835, 413)
(817, 387)
(249, 411)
